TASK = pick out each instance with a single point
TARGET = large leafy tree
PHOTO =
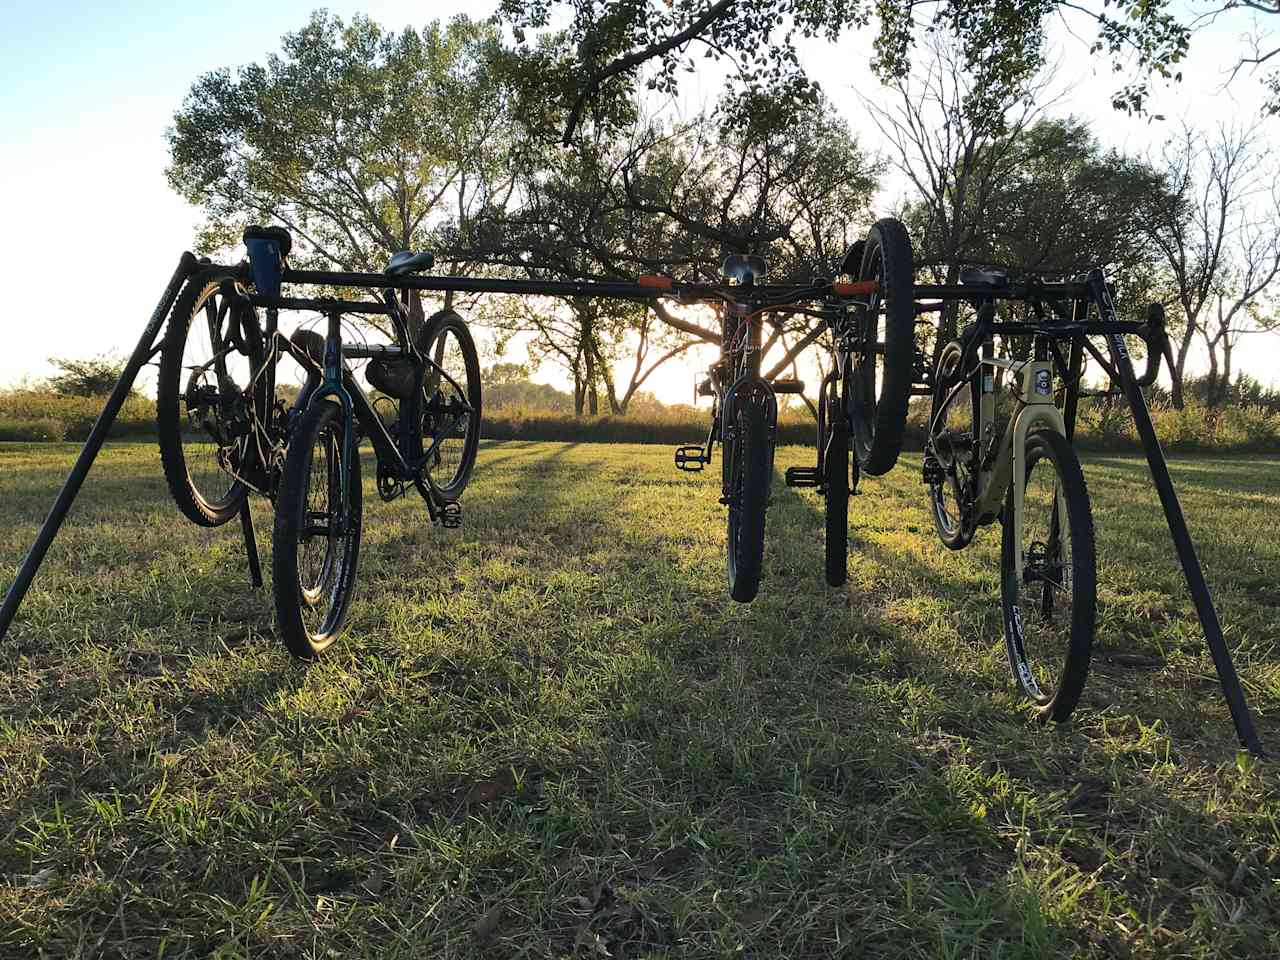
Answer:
(360, 140)
(1000, 41)
(757, 175)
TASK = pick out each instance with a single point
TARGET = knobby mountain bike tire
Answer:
(884, 362)
(748, 498)
(315, 555)
(202, 414)
(950, 442)
(1050, 615)
(835, 466)
(429, 417)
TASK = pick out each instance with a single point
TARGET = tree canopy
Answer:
(359, 140)
(1001, 41)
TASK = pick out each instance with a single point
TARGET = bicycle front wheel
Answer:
(749, 467)
(884, 361)
(317, 543)
(835, 482)
(441, 420)
(1050, 611)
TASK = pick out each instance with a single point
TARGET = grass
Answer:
(552, 734)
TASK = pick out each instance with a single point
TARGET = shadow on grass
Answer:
(552, 732)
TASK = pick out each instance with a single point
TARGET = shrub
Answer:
(43, 429)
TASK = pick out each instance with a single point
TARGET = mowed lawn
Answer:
(552, 733)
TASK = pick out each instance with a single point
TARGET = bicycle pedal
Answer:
(802, 477)
(933, 473)
(451, 515)
(691, 459)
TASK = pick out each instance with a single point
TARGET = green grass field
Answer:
(552, 734)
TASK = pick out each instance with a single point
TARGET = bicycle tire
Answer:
(416, 416)
(952, 391)
(835, 466)
(198, 505)
(334, 577)
(879, 419)
(1030, 667)
(748, 499)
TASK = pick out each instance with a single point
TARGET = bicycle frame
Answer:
(1036, 409)
(331, 380)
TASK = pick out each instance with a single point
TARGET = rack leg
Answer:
(250, 545)
(58, 512)
(1231, 687)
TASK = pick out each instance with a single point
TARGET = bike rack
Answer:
(148, 346)
(1232, 689)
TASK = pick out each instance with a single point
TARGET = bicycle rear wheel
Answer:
(951, 450)
(316, 546)
(1049, 613)
(443, 417)
(884, 362)
(204, 405)
(748, 468)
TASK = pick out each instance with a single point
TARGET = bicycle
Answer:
(224, 432)
(1028, 475)
(862, 401)
(744, 410)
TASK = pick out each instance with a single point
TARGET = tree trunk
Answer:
(948, 320)
(1211, 382)
(593, 399)
(579, 388)
(1179, 369)
(1226, 370)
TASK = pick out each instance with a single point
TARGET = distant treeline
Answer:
(1252, 426)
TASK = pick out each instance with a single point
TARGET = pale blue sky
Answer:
(87, 90)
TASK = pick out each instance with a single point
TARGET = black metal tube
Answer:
(1071, 406)
(548, 288)
(89, 452)
(1014, 291)
(320, 304)
(1231, 688)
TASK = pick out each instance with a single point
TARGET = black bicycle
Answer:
(744, 413)
(226, 430)
(862, 401)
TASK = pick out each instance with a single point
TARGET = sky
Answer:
(93, 231)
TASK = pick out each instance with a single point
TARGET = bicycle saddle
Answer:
(284, 242)
(406, 262)
(744, 268)
(851, 265)
(310, 342)
(983, 277)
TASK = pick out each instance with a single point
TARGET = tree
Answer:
(956, 160)
(756, 175)
(357, 139)
(1000, 41)
(92, 377)
(1216, 230)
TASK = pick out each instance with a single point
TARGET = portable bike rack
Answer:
(148, 346)
(1094, 289)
